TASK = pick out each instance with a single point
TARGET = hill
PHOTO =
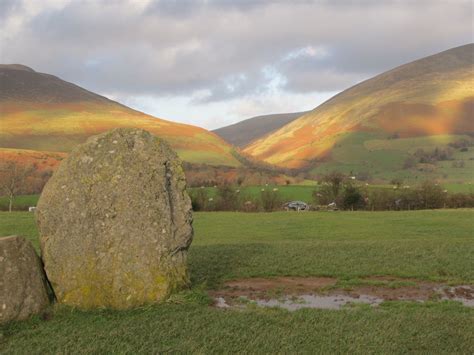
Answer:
(244, 132)
(40, 112)
(395, 124)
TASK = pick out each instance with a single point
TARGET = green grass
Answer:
(20, 203)
(384, 158)
(288, 193)
(435, 245)
(192, 328)
(462, 188)
(413, 143)
(210, 157)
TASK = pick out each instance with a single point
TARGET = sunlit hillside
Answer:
(44, 113)
(377, 125)
(42, 161)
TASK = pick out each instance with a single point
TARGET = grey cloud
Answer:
(180, 47)
(185, 8)
(8, 7)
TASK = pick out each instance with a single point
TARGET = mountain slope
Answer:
(430, 97)
(244, 132)
(41, 112)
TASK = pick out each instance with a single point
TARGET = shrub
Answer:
(409, 163)
(200, 200)
(433, 156)
(462, 145)
(460, 200)
(458, 164)
(227, 198)
(271, 200)
(364, 176)
(431, 195)
(352, 198)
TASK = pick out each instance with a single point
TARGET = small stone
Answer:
(23, 288)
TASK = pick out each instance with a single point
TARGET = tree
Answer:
(12, 179)
(331, 189)
(335, 181)
(324, 195)
(352, 197)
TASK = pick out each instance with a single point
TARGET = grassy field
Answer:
(288, 193)
(20, 203)
(384, 158)
(430, 245)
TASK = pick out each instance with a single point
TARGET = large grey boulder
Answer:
(23, 288)
(115, 222)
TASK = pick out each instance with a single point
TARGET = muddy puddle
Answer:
(293, 293)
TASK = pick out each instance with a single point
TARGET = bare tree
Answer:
(12, 179)
(335, 180)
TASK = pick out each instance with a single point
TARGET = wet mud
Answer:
(293, 293)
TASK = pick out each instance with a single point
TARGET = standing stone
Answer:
(23, 288)
(115, 222)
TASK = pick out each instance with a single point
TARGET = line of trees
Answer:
(231, 198)
(337, 191)
(347, 195)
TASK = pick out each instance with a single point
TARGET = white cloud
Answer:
(212, 115)
(307, 51)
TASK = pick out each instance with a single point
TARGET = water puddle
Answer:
(293, 293)
(303, 301)
(463, 294)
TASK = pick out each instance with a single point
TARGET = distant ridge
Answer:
(376, 125)
(21, 83)
(41, 112)
(244, 132)
(16, 67)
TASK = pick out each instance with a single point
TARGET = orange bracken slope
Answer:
(40, 112)
(430, 96)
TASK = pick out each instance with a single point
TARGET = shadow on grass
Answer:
(213, 264)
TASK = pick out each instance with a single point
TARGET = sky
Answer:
(213, 63)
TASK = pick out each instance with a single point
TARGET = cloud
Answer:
(225, 50)
(7, 7)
